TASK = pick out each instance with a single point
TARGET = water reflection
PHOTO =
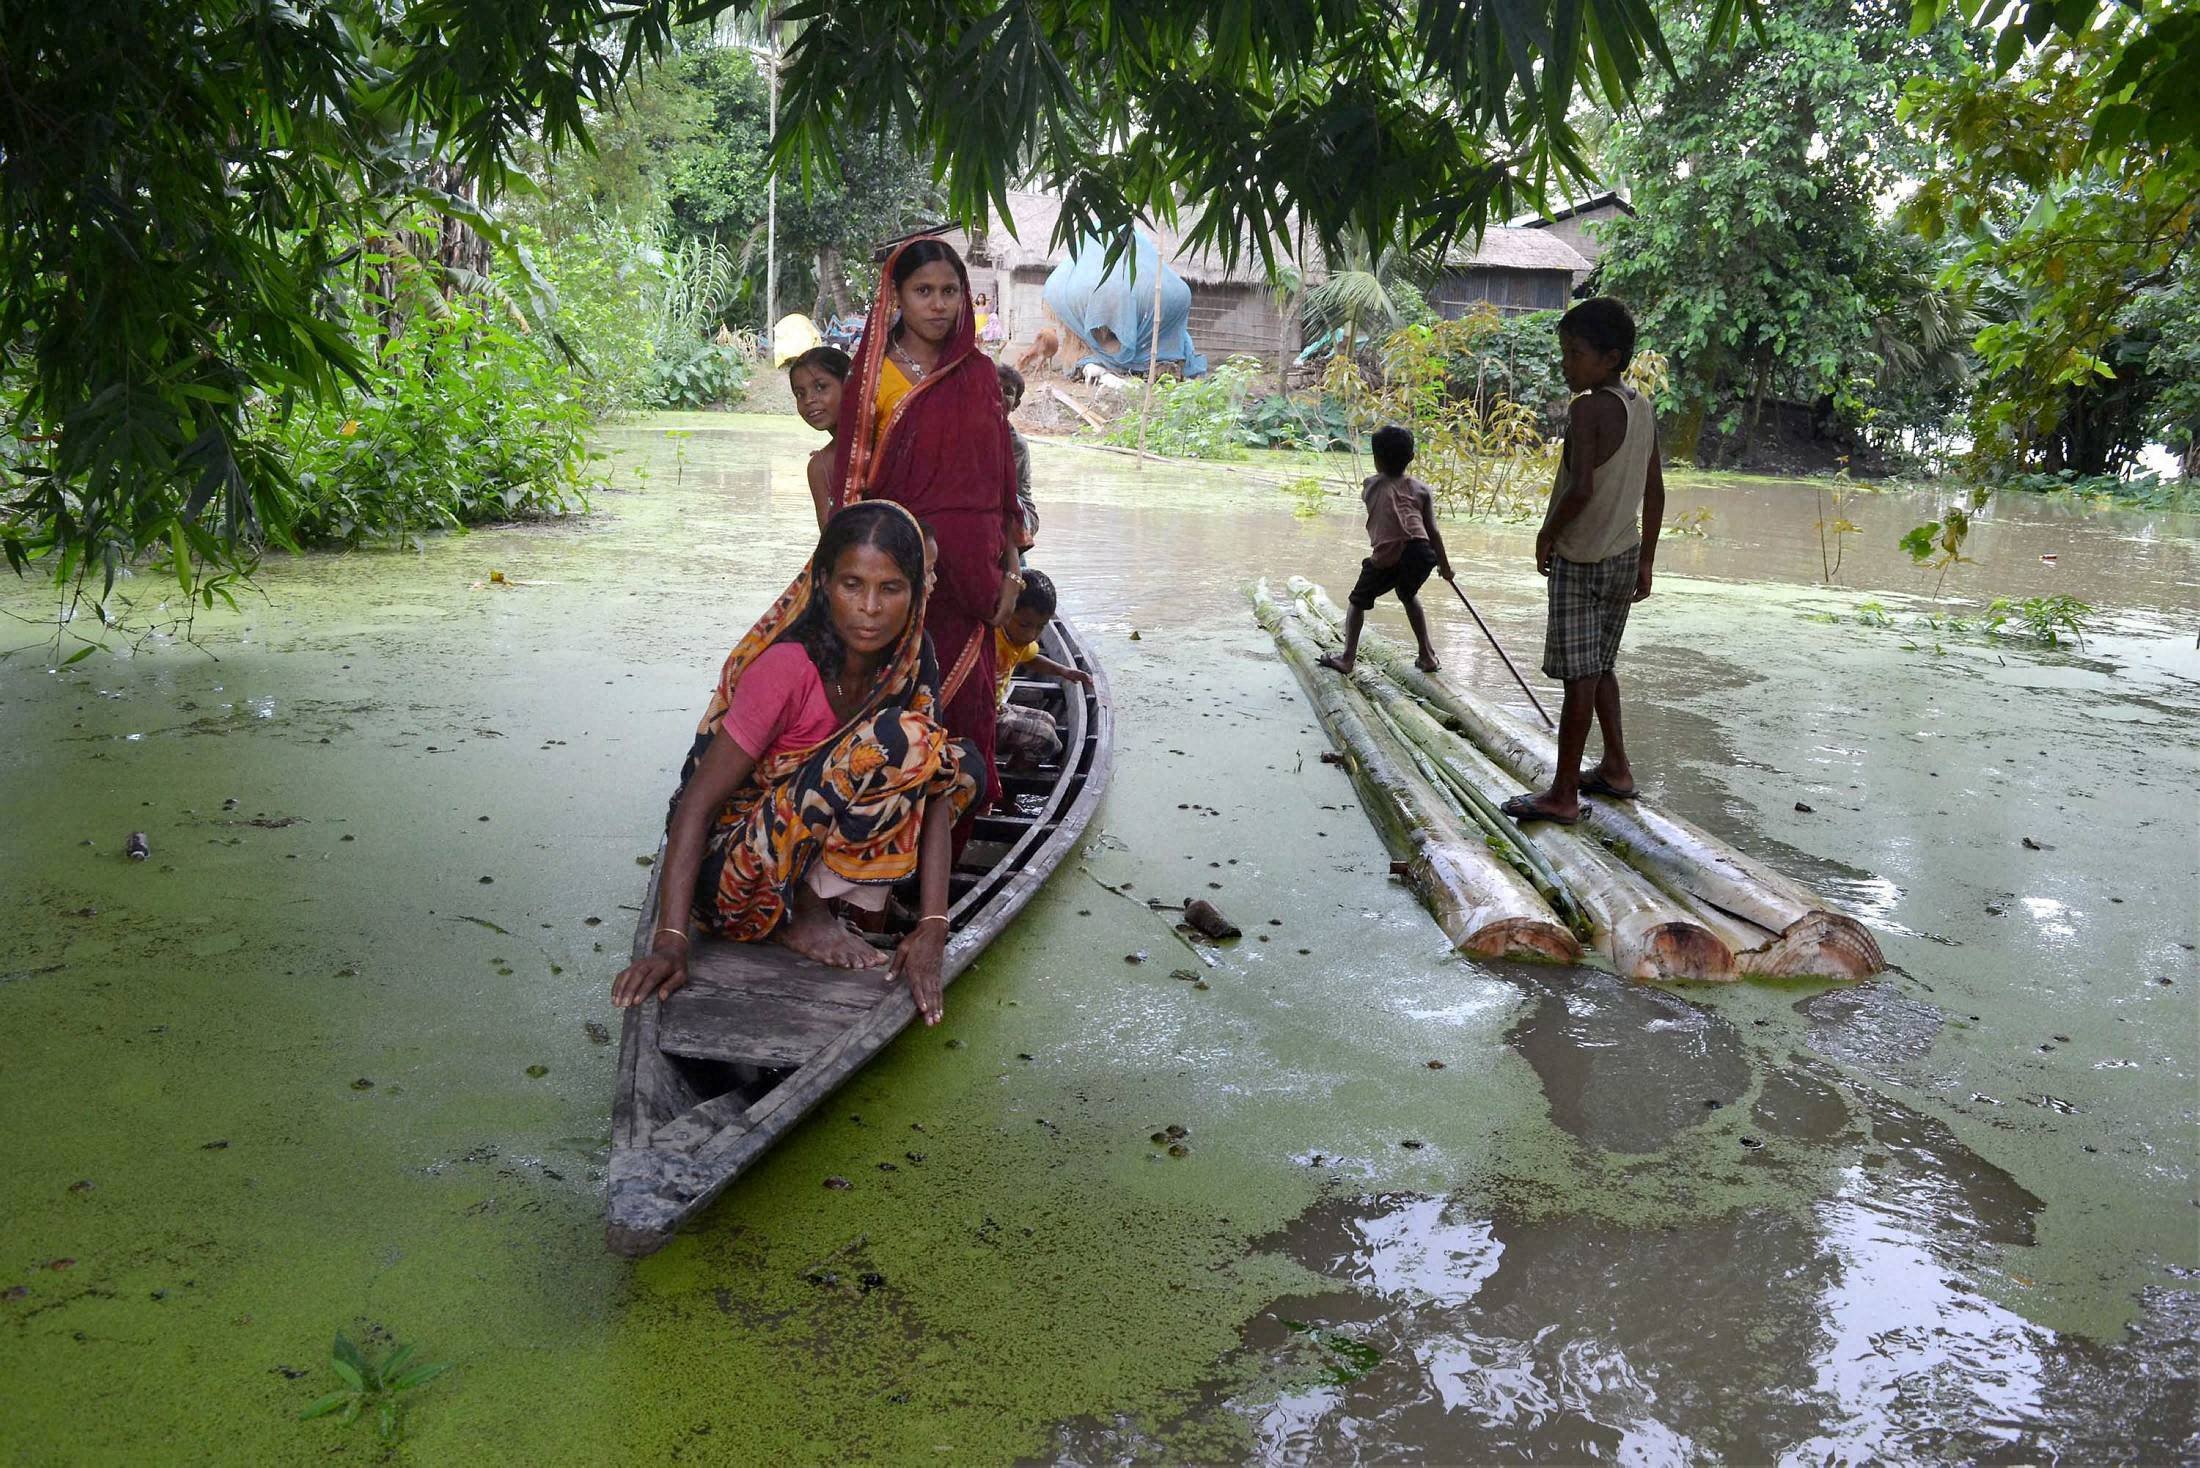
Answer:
(1854, 1330)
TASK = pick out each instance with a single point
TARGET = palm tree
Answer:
(1357, 295)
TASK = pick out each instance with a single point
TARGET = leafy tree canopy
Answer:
(179, 177)
(1757, 242)
(2069, 181)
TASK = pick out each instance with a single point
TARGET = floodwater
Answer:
(324, 1061)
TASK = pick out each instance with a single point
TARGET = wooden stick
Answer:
(1508, 662)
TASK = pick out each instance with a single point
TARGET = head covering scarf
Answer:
(901, 680)
(944, 454)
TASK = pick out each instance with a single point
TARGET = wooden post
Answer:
(1153, 347)
(771, 190)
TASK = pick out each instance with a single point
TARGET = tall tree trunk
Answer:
(1756, 410)
(832, 281)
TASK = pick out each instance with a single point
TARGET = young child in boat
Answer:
(1404, 546)
(1596, 545)
(817, 377)
(1012, 397)
(1027, 736)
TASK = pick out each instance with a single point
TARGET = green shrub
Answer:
(709, 377)
(1304, 422)
(468, 420)
(608, 279)
(1194, 417)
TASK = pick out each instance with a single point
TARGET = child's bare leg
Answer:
(1613, 770)
(1342, 662)
(1563, 800)
(1426, 661)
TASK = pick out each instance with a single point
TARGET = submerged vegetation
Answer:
(2044, 621)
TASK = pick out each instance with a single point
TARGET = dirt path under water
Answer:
(325, 1060)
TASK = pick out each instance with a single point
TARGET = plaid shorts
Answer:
(1026, 736)
(1589, 605)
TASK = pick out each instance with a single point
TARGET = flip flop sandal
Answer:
(1520, 808)
(1598, 785)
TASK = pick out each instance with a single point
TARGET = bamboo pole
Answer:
(1645, 933)
(1482, 905)
(1803, 935)
(1153, 347)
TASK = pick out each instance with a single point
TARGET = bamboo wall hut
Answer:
(1515, 270)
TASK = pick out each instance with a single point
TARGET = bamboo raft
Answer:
(1631, 886)
(712, 1076)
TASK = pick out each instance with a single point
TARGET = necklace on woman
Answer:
(901, 353)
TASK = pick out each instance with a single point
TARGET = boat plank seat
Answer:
(770, 970)
(749, 1028)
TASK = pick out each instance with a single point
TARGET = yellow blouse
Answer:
(893, 386)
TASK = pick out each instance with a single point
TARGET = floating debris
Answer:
(1208, 919)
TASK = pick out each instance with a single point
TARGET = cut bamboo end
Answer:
(1818, 945)
(1530, 939)
(1680, 951)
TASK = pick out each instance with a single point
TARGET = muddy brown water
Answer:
(305, 1070)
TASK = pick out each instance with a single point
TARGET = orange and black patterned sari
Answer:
(855, 801)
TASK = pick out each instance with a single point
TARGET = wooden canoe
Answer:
(714, 1075)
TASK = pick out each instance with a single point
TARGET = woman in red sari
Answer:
(924, 427)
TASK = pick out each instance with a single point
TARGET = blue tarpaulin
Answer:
(1119, 304)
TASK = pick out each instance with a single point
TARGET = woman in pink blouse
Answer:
(821, 772)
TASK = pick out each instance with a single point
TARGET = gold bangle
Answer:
(675, 932)
(932, 917)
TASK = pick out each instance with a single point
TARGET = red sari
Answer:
(944, 455)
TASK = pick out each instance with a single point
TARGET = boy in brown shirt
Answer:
(1404, 545)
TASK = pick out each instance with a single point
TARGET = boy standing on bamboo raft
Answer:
(1598, 538)
(1404, 546)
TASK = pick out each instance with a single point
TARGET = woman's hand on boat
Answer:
(655, 974)
(917, 959)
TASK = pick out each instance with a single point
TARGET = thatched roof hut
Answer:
(1234, 308)
(1515, 270)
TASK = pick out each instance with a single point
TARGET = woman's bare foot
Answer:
(812, 931)
(1335, 663)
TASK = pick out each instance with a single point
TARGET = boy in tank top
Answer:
(1596, 545)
